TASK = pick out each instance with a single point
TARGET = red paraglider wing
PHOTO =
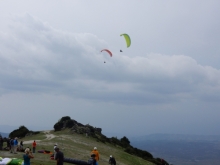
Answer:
(110, 53)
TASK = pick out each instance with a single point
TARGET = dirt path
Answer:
(49, 136)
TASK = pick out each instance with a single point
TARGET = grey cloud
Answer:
(45, 59)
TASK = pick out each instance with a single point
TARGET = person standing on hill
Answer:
(1, 143)
(15, 145)
(92, 160)
(96, 152)
(8, 144)
(54, 148)
(27, 156)
(12, 145)
(34, 144)
(21, 145)
(59, 156)
(112, 160)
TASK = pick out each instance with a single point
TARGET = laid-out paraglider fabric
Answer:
(110, 53)
(127, 39)
(11, 161)
(77, 162)
(45, 152)
(16, 161)
(5, 161)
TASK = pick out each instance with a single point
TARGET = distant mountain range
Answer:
(178, 137)
(4, 134)
(7, 128)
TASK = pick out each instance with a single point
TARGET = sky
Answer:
(167, 81)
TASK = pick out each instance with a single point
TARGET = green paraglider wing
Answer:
(127, 39)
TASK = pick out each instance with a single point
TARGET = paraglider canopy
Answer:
(110, 53)
(127, 39)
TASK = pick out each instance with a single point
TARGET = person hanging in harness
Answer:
(112, 160)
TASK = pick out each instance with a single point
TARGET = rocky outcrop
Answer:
(75, 127)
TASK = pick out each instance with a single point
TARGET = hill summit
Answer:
(77, 140)
(88, 130)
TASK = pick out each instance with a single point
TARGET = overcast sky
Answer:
(167, 81)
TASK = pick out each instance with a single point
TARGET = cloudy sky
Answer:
(167, 81)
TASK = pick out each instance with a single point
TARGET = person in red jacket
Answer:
(96, 152)
(34, 144)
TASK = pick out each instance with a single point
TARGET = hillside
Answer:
(76, 146)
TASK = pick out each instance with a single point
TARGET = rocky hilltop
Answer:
(74, 127)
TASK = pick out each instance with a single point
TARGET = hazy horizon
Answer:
(10, 128)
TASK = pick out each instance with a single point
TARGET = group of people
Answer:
(95, 157)
(59, 156)
(14, 146)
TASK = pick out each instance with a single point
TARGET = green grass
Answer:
(39, 136)
(76, 146)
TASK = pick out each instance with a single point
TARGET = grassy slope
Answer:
(77, 147)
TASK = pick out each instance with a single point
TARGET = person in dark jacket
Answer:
(59, 156)
(112, 160)
(12, 145)
(8, 143)
(21, 146)
(92, 160)
(1, 143)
